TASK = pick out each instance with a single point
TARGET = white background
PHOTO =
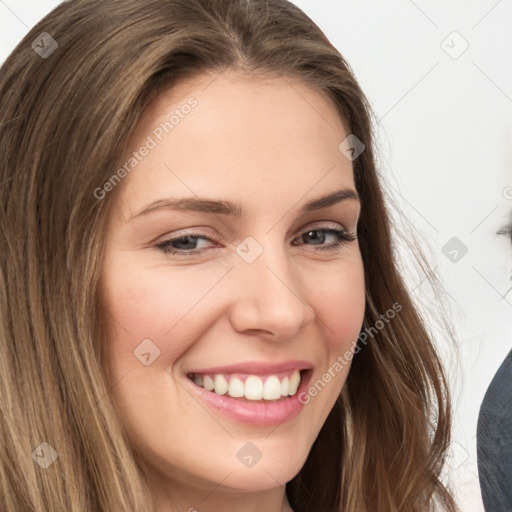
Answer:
(445, 143)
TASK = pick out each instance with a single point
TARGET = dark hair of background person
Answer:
(494, 433)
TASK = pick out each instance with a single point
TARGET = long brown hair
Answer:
(68, 108)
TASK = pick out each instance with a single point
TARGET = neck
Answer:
(182, 497)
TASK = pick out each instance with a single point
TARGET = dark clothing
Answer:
(494, 441)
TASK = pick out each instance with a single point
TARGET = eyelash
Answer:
(343, 238)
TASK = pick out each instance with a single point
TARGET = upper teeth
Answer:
(270, 387)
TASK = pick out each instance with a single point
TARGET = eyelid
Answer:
(198, 231)
(323, 224)
(201, 231)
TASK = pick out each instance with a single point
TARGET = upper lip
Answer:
(256, 367)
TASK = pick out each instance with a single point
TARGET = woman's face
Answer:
(244, 300)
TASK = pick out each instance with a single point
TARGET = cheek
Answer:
(159, 304)
(340, 305)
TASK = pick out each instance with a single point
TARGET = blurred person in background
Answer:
(494, 435)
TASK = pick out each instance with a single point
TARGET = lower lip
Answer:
(256, 413)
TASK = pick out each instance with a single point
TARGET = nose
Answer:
(268, 297)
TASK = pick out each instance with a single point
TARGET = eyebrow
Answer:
(197, 204)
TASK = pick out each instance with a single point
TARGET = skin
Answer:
(272, 145)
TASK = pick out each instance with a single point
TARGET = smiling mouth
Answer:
(251, 388)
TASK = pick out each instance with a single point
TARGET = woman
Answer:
(280, 364)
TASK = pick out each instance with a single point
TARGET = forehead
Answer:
(230, 131)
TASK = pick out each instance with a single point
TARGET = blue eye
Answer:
(169, 246)
(186, 245)
(341, 236)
